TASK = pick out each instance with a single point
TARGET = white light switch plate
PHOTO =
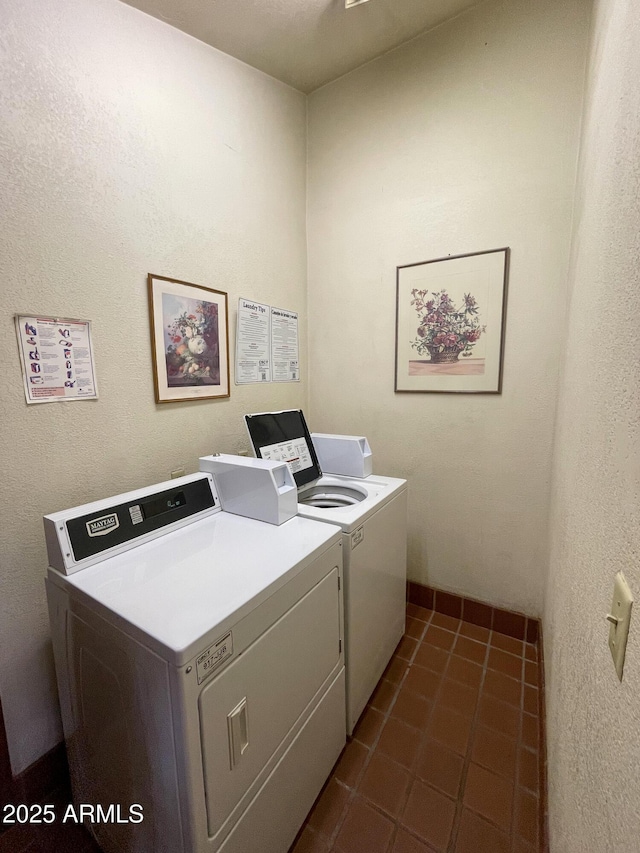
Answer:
(619, 618)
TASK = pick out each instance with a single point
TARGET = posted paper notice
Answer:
(253, 358)
(57, 359)
(284, 345)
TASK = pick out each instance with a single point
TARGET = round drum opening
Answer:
(331, 497)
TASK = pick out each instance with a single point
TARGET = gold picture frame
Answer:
(189, 327)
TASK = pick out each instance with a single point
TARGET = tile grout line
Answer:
(474, 721)
(396, 821)
(543, 800)
(516, 778)
(412, 770)
(455, 829)
(371, 749)
(519, 743)
(402, 807)
(518, 738)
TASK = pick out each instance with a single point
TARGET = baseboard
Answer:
(509, 622)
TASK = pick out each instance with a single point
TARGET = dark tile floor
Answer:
(445, 757)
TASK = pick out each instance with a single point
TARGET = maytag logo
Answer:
(104, 524)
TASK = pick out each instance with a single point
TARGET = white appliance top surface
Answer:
(182, 585)
(379, 490)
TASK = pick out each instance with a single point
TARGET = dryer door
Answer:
(252, 710)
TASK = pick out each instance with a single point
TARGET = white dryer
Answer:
(200, 668)
(372, 514)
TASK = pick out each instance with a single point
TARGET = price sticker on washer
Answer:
(295, 453)
(211, 658)
(357, 537)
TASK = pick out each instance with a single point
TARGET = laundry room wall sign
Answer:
(267, 346)
(57, 360)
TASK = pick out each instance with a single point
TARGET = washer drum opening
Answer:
(331, 497)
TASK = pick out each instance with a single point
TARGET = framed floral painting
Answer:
(450, 323)
(189, 340)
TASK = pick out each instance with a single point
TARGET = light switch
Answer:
(619, 618)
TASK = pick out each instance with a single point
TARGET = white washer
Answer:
(372, 513)
(200, 668)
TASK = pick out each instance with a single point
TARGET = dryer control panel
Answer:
(80, 537)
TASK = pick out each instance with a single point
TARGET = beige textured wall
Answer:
(593, 719)
(463, 140)
(126, 147)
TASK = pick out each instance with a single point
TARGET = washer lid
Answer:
(182, 589)
(284, 437)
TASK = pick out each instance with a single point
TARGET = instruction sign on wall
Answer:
(284, 345)
(253, 355)
(267, 347)
(57, 359)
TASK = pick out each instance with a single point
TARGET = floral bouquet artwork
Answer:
(445, 331)
(450, 323)
(192, 341)
(189, 340)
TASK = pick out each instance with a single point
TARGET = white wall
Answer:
(593, 720)
(126, 147)
(463, 140)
